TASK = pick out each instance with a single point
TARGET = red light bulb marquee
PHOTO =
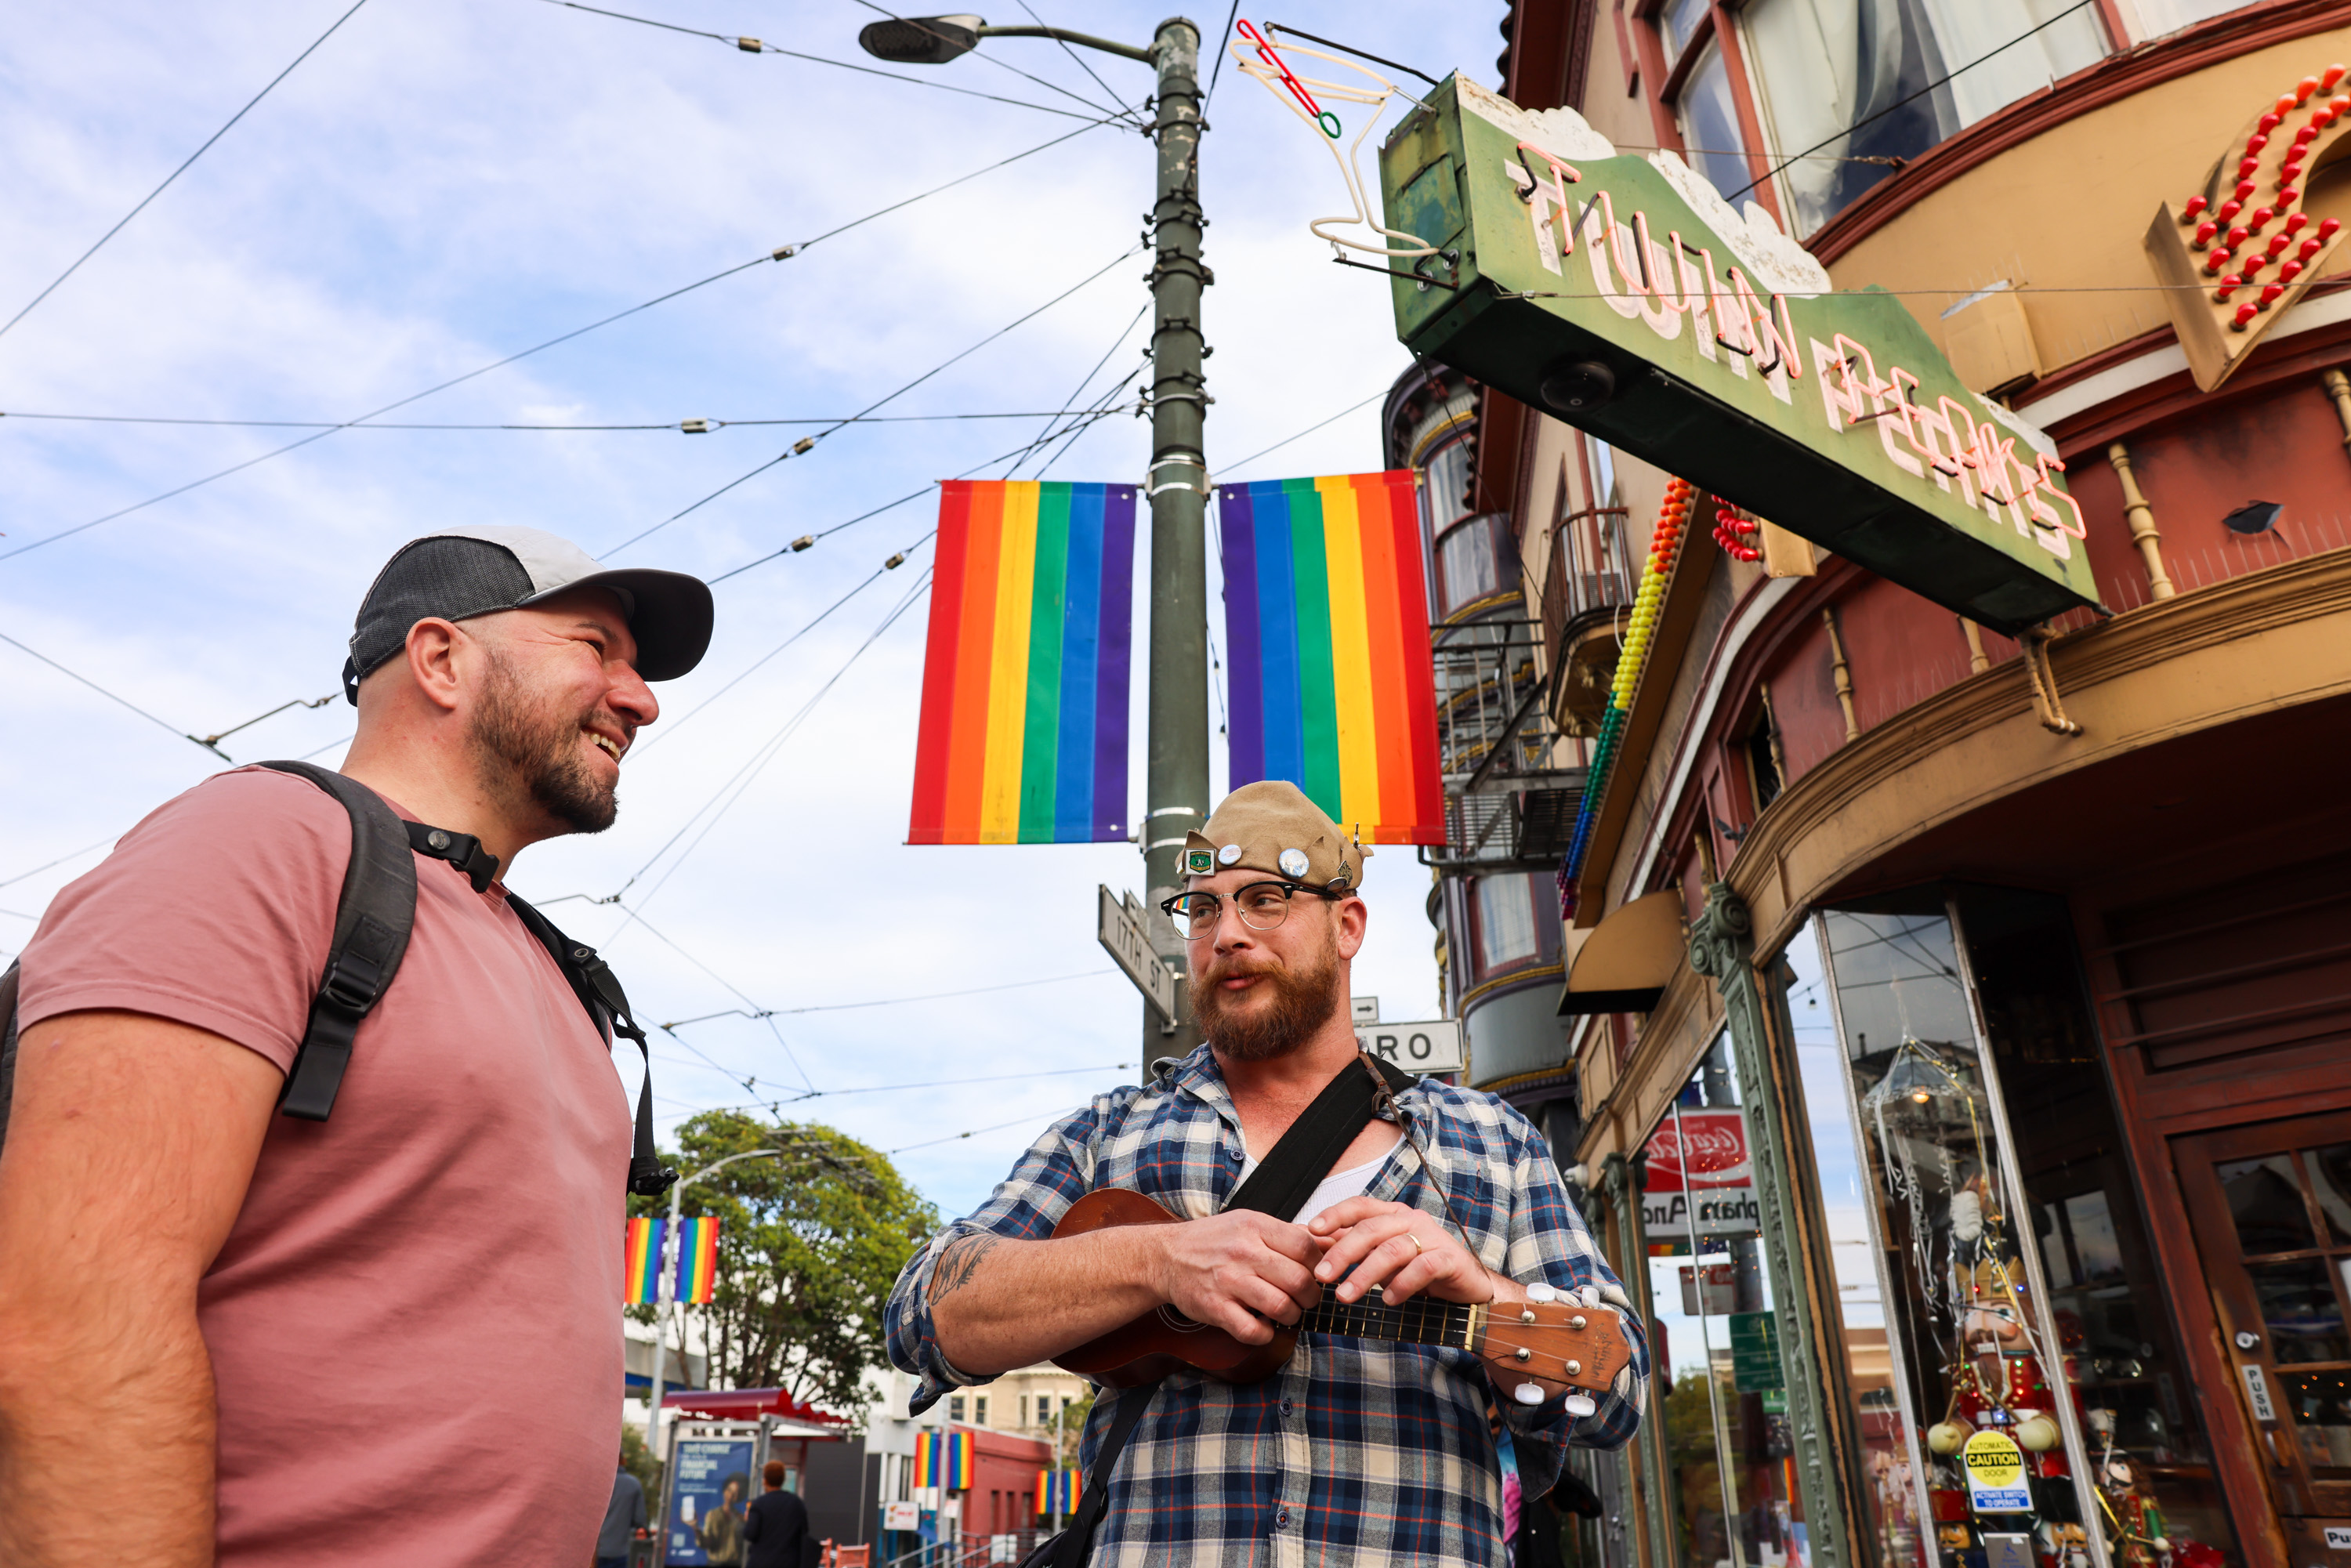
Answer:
(2245, 221)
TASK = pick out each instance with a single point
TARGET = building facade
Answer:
(1952, 1047)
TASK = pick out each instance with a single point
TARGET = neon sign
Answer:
(2240, 251)
(1623, 295)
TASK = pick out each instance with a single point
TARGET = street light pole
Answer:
(1176, 747)
(662, 1292)
(1176, 779)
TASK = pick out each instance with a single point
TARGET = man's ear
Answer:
(434, 651)
(1354, 915)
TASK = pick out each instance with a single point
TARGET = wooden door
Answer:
(2270, 1205)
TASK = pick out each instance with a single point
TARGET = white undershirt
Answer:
(1338, 1187)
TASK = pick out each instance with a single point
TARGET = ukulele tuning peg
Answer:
(1532, 1393)
(1539, 1292)
(1579, 1404)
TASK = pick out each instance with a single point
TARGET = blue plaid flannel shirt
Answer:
(1357, 1452)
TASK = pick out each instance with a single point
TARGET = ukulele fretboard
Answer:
(1417, 1322)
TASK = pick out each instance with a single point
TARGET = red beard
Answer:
(1272, 1018)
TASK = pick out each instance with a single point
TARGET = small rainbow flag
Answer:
(1023, 732)
(943, 1458)
(697, 1261)
(1058, 1492)
(1326, 622)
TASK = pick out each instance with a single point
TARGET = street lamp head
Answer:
(921, 40)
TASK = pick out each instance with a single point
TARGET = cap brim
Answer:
(671, 620)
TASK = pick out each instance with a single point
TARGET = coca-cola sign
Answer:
(1716, 1155)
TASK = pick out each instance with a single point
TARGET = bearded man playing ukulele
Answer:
(1359, 1451)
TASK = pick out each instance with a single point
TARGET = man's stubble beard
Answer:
(528, 754)
(1241, 1027)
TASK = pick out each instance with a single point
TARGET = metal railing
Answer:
(1487, 700)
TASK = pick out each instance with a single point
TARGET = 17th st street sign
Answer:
(1623, 295)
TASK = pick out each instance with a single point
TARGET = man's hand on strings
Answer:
(1402, 1250)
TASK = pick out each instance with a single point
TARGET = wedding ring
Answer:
(1417, 1248)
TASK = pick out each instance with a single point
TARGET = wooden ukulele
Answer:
(1581, 1346)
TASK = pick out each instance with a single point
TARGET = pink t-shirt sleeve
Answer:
(216, 912)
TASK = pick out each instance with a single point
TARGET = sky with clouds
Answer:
(441, 186)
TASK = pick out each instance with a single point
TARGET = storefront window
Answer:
(1892, 1493)
(2105, 1291)
(2025, 1332)
(1867, 77)
(1731, 1486)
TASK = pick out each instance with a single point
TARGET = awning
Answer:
(1626, 962)
(747, 1405)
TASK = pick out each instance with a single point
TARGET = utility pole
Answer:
(1176, 779)
(1175, 748)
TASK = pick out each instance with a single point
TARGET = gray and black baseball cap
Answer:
(464, 573)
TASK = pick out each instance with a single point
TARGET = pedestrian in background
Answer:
(624, 1520)
(270, 1312)
(778, 1528)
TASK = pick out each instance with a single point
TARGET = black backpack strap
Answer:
(372, 921)
(1075, 1544)
(1282, 1182)
(7, 1045)
(599, 991)
(1304, 1155)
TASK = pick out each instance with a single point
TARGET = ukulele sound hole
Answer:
(1177, 1321)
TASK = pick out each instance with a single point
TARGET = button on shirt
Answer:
(1358, 1451)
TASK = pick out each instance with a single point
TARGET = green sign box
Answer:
(1623, 295)
(1755, 1354)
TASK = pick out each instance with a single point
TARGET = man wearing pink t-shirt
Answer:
(391, 1337)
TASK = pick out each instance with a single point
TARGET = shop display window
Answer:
(1891, 1493)
(2034, 1365)
(1731, 1486)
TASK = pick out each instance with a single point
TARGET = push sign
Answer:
(1434, 1047)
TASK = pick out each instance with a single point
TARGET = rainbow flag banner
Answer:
(1057, 1492)
(698, 1263)
(1023, 733)
(1326, 626)
(943, 1458)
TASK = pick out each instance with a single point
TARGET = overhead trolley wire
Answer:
(756, 46)
(781, 253)
(1081, 61)
(1087, 418)
(700, 426)
(183, 168)
(805, 442)
(117, 699)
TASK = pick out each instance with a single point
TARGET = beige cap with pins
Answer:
(1272, 826)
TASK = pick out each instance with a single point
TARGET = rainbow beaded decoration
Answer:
(1665, 549)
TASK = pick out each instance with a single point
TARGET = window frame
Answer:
(1661, 80)
(1534, 956)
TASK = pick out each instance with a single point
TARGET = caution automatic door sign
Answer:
(1995, 1471)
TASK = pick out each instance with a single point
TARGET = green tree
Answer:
(810, 1243)
(1069, 1429)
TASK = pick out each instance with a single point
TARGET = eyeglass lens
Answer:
(1262, 907)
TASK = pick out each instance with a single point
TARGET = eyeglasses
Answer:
(1262, 906)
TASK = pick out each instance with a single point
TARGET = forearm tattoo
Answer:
(959, 1261)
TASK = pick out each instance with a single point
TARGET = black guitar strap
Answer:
(1280, 1184)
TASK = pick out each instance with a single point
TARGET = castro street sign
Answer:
(1623, 295)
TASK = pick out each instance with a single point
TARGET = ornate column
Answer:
(2142, 523)
(1653, 1478)
(1795, 1249)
